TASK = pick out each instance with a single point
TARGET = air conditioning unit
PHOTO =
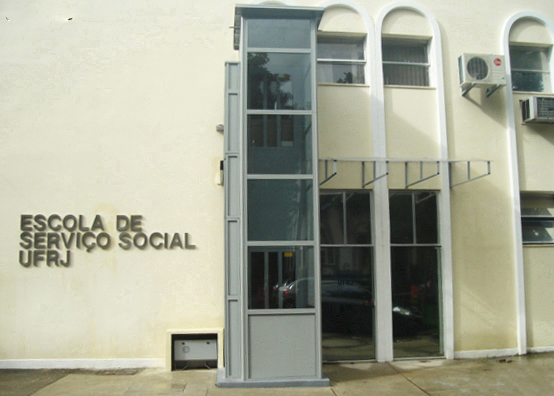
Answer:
(481, 70)
(538, 109)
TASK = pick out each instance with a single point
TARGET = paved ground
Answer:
(526, 375)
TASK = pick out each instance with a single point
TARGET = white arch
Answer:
(514, 172)
(435, 55)
(382, 274)
(370, 41)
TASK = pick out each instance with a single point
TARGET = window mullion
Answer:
(414, 228)
(344, 223)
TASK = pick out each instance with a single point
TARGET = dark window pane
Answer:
(401, 218)
(280, 210)
(340, 73)
(527, 81)
(529, 69)
(347, 302)
(411, 75)
(332, 219)
(405, 70)
(257, 280)
(414, 53)
(281, 277)
(279, 144)
(426, 218)
(279, 81)
(537, 206)
(358, 218)
(340, 48)
(527, 58)
(279, 33)
(538, 230)
(415, 301)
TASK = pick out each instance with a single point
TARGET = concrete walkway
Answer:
(525, 375)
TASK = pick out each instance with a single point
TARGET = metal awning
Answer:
(370, 177)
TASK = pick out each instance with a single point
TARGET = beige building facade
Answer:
(433, 200)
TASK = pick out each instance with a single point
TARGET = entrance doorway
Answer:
(415, 274)
(347, 299)
(347, 281)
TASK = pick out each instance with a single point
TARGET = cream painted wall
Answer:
(483, 263)
(412, 133)
(343, 20)
(535, 149)
(405, 22)
(344, 119)
(485, 311)
(110, 108)
(530, 32)
(539, 277)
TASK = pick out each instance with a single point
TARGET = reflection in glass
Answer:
(529, 69)
(358, 224)
(332, 218)
(340, 48)
(281, 277)
(426, 218)
(415, 301)
(279, 81)
(340, 60)
(537, 206)
(401, 218)
(528, 81)
(345, 209)
(347, 303)
(280, 210)
(536, 230)
(406, 53)
(279, 33)
(414, 218)
(340, 73)
(528, 58)
(279, 144)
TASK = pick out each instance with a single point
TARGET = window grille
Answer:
(405, 63)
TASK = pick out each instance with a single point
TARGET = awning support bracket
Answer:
(375, 177)
(327, 176)
(421, 178)
(469, 178)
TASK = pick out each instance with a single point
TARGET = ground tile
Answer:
(88, 385)
(28, 382)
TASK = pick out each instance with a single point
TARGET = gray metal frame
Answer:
(254, 354)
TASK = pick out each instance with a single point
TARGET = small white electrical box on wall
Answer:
(190, 350)
(194, 348)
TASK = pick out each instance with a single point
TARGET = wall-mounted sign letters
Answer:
(51, 239)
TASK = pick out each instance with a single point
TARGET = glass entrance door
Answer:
(347, 299)
(415, 275)
(347, 280)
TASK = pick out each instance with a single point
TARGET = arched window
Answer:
(341, 47)
(530, 53)
(406, 39)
